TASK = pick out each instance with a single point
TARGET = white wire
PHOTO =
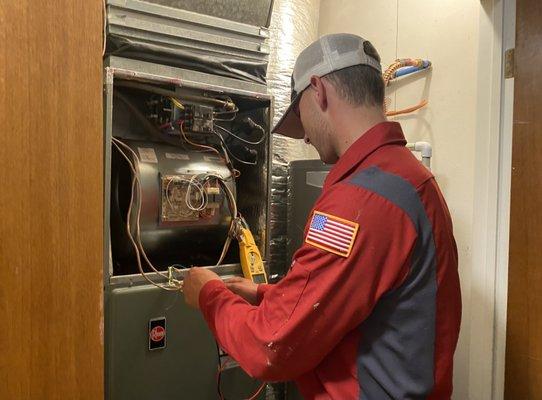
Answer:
(136, 183)
(104, 32)
(190, 183)
(234, 111)
(138, 247)
(203, 195)
(225, 146)
(259, 141)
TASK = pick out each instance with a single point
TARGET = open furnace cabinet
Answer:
(163, 198)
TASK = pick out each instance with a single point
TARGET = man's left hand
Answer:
(194, 280)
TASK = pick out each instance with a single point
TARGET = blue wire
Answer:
(410, 70)
(406, 71)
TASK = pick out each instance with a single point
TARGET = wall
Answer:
(51, 345)
(446, 32)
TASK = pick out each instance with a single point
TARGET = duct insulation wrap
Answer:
(294, 25)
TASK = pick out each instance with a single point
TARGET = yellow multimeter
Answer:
(250, 257)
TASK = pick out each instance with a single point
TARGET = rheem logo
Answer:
(157, 333)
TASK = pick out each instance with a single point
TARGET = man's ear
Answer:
(320, 92)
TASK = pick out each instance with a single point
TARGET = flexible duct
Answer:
(294, 25)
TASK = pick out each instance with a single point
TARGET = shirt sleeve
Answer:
(324, 296)
(263, 288)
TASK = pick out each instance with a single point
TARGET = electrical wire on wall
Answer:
(403, 67)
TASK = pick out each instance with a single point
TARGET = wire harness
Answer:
(403, 67)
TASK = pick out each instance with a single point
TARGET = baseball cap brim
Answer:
(290, 124)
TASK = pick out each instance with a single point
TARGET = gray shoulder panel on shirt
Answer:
(396, 353)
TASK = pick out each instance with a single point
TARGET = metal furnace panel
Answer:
(150, 31)
(305, 182)
(185, 369)
(251, 12)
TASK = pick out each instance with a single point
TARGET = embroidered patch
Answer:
(332, 234)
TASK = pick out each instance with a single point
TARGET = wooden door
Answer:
(51, 340)
(524, 327)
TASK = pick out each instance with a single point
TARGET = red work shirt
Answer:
(371, 306)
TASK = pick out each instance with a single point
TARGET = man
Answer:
(371, 307)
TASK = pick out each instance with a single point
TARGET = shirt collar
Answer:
(382, 134)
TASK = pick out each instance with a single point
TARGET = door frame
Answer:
(491, 220)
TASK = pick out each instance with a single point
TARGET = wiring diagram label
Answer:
(177, 156)
(147, 154)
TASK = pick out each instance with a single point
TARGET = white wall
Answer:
(447, 33)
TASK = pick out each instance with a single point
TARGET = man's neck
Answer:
(353, 124)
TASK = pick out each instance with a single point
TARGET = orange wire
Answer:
(257, 393)
(222, 367)
(423, 103)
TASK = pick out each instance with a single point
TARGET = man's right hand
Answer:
(243, 287)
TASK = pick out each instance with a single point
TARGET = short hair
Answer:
(360, 85)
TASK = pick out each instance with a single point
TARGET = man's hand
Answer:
(194, 280)
(243, 287)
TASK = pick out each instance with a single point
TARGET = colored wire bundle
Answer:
(223, 156)
(403, 67)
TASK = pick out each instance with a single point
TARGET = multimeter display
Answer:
(259, 278)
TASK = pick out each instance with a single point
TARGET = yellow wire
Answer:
(177, 103)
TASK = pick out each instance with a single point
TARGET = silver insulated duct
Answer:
(294, 25)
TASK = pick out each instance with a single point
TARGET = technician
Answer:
(371, 306)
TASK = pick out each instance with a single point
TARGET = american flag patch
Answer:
(332, 234)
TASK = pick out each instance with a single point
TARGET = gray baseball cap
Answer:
(328, 54)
